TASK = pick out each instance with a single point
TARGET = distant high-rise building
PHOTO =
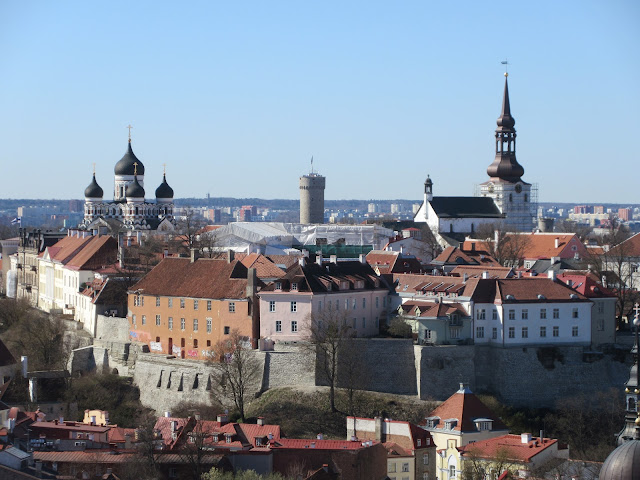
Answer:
(312, 197)
(624, 214)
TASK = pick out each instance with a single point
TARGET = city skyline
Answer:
(236, 99)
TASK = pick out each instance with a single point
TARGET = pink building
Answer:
(350, 289)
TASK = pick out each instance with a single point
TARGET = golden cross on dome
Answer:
(129, 127)
(135, 168)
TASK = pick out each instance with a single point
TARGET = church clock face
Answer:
(518, 188)
(490, 188)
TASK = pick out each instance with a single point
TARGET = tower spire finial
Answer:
(129, 127)
(505, 62)
(94, 169)
(164, 169)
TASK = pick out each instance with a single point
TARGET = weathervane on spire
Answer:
(129, 127)
(505, 62)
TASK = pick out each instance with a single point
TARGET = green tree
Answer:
(215, 474)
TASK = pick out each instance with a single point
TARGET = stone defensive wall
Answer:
(529, 376)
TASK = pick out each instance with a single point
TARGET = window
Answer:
(278, 286)
(294, 326)
(600, 307)
(543, 332)
(494, 314)
(481, 314)
(195, 304)
(377, 302)
(405, 467)
(170, 301)
(355, 322)
(294, 286)
(209, 325)
(512, 332)
(556, 313)
(272, 306)
(479, 332)
(354, 304)
(170, 323)
(425, 476)
(543, 313)
(227, 330)
(182, 303)
(455, 333)
(425, 459)
(157, 320)
(525, 314)
(364, 303)
(195, 324)
(294, 306)
(157, 301)
(525, 332)
(195, 343)
(278, 326)
(208, 305)
(144, 319)
(346, 304)
(384, 301)
(600, 324)
(556, 331)
(494, 333)
(232, 307)
(183, 324)
(574, 331)
(574, 313)
(133, 320)
(452, 468)
(364, 322)
(512, 314)
(392, 467)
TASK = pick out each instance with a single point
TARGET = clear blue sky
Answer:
(235, 97)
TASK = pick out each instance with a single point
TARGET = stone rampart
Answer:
(112, 329)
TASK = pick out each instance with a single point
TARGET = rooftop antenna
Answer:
(505, 62)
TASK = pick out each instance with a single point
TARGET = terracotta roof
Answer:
(432, 309)
(524, 290)
(465, 407)
(395, 450)
(511, 445)
(393, 262)
(428, 283)
(629, 248)
(458, 256)
(541, 245)
(303, 443)
(98, 252)
(585, 283)
(204, 278)
(66, 248)
(70, 426)
(117, 434)
(265, 268)
(476, 271)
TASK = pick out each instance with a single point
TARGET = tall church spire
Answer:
(505, 166)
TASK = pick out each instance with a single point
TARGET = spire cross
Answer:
(94, 168)
(164, 169)
(505, 62)
(129, 127)
(135, 168)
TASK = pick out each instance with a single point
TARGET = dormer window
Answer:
(419, 442)
(258, 441)
(432, 422)
(450, 423)
(278, 285)
(344, 285)
(483, 424)
(228, 437)
(294, 286)
(360, 284)
(215, 438)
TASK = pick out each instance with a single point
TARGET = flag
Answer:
(17, 220)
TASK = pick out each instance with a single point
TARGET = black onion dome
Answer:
(428, 181)
(126, 164)
(164, 190)
(135, 190)
(93, 190)
(623, 463)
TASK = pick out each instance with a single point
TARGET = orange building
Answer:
(183, 307)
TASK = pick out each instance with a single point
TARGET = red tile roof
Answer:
(477, 271)
(541, 245)
(204, 278)
(304, 443)
(509, 445)
(455, 255)
(393, 262)
(524, 290)
(66, 248)
(465, 407)
(585, 283)
(629, 248)
(265, 268)
(432, 309)
(96, 253)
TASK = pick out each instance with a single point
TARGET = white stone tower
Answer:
(312, 197)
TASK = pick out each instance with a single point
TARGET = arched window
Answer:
(631, 404)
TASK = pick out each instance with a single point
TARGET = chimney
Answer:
(519, 273)
(167, 414)
(196, 415)
(127, 440)
(333, 259)
(174, 425)
(39, 469)
(252, 282)
(165, 253)
(319, 436)
(551, 274)
(139, 238)
(525, 437)
(378, 428)
(302, 261)
(261, 421)
(223, 418)
(465, 277)
(319, 258)
(61, 420)
(363, 258)
(485, 274)
(24, 363)
(557, 243)
(473, 246)
(541, 436)
(231, 255)
(194, 254)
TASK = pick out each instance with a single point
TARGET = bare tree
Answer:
(13, 311)
(326, 332)
(508, 248)
(236, 371)
(189, 225)
(476, 467)
(193, 450)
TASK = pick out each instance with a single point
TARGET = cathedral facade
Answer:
(129, 209)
